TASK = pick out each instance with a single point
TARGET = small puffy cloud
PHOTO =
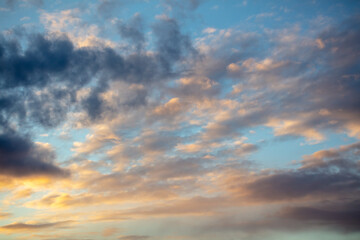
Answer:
(233, 67)
(252, 65)
(209, 30)
(172, 107)
(297, 128)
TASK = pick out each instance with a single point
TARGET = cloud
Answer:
(209, 30)
(21, 227)
(296, 185)
(181, 9)
(52, 68)
(21, 158)
(171, 43)
(223, 47)
(106, 8)
(344, 215)
(37, 3)
(239, 150)
(284, 77)
(19, 195)
(167, 135)
(172, 107)
(5, 215)
(196, 206)
(343, 157)
(160, 180)
(293, 127)
(191, 4)
(234, 122)
(196, 88)
(69, 22)
(14, 3)
(325, 174)
(44, 57)
(133, 237)
(133, 30)
(43, 61)
(109, 232)
(147, 192)
(96, 141)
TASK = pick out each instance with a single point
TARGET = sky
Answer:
(179, 119)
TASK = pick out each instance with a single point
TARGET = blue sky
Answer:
(179, 119)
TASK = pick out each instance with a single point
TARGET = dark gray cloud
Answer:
(322, 193)
(41, 75)
(93, 104)
(171, 44)
(301, 184)
(290, 220)
(343, 215)
(19, 157)
(51, 68)
(325, 174)
(106, 7)
(50, 108)
(43, 61)
(133, 30)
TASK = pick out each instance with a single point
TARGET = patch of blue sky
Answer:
(19, 211)
(128, 133)
(60, 140)
(188, 130)
(19, 16)
(258, 15)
